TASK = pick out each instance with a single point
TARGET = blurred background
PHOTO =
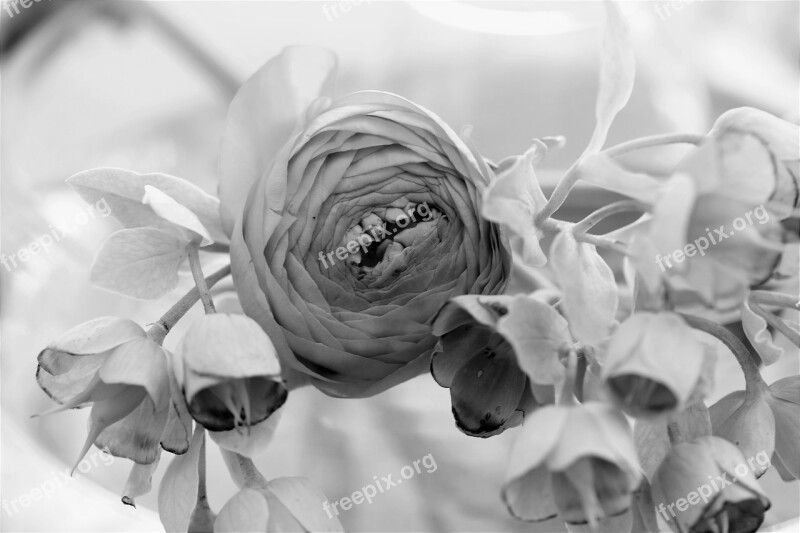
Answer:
(146, 85)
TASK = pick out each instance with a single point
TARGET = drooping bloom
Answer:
(745, 419)
(355, 220)
(716, 222)
(489, 390)
(114, 365)
(229, 375)
(764, 423)
(706, 485)
(578, 462)
(653, 364)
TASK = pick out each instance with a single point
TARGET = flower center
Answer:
(379, 245)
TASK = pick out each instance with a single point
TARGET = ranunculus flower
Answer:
(706, 485)
(114, 365)
(356, 219)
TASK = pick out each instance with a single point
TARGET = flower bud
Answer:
(578, 462)
(653, 364)
(228, 371)
(746, 420)
(706, 485)
(488, 390)
(784, 400)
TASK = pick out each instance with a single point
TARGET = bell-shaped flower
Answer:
(578, 462)
(283, 504)
(113, 364)
(715, 224)
(653, 364)
(489, 391)
(780, 139)
(746, 419)
(706, 485)
(228, 373)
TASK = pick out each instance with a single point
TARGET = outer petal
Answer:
(245, 511)
(262, 116)
(304, 501)
(139, 362)
(536, 332)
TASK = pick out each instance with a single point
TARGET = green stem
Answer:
(674, 431)
(202, 494)
(244, 471)
(752, 374)
(777, 299)
(560, 193)
(554, 226)
(652, 141)
(165, 324)
(604, 212)
(200, 281)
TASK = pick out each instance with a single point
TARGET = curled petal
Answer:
(136, 436)
(537, 333)
(139, 362)
(486, 391)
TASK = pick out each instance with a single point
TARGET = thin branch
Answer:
(752, 374)
(200, 281)
(623, 206)
(168, 320)
(652, 141)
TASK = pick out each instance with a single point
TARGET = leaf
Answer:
(513, 199)
(139, 262)
(536, 332)
(167, 208)
(590, 290)
(177, 493)
(617, 73)
(245, 511)
(123, 190)
(262, 116)
(755, 327)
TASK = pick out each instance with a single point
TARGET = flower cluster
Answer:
(516, 312)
